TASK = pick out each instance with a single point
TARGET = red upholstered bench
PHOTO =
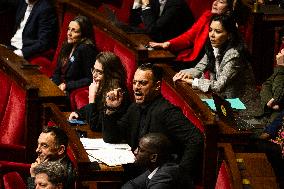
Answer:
(13, 102)
(13, 180)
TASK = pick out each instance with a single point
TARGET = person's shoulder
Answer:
(44, 4)
(163, 104)
(86, 47)
(231, 53)
(167, 173)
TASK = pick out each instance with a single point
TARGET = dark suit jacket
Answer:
(78, 73)
(167, 177)
(161, 117)
(40, 30)
(175, 19)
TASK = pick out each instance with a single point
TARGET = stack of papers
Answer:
(110, 154)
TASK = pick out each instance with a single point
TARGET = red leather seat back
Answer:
(12, 111)
(223, 179)
(176, 99)
(13, 180)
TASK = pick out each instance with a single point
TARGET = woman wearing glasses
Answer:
(108, 74)
(76, 56)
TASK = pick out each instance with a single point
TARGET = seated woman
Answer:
(225, 59)
(190, 44)
(76, 57)
(108, 74)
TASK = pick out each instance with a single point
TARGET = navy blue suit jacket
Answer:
(175, 19)
(40, 30)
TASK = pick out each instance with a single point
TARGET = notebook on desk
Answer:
(226, 113)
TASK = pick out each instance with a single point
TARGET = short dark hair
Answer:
(156, 70)
(160, 144)
(55, 171)
(59, 135)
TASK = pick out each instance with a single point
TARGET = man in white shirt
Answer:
(35, 27)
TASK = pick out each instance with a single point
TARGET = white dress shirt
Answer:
(17, 39)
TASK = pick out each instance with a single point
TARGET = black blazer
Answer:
(167, 177)
(161, 117)
(78, 73)
(40, 32)
(175, 19)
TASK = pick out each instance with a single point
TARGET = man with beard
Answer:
(151, 112)
(52, 146)
(153, 153)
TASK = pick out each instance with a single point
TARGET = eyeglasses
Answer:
(96, 71)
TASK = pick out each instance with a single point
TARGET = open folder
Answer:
(110, 154)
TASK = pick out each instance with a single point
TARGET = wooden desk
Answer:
(264, 28)
(48, 91)
(104, 178)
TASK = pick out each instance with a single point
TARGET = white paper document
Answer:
(110, 154)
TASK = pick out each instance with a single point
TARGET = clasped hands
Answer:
(183, 76)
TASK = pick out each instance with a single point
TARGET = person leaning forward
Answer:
(151, 112)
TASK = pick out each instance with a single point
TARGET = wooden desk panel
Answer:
(48, 91)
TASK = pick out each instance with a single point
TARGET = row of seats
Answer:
(79, 97)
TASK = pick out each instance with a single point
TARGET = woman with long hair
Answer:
(108, 74)
(226, 61)
(76, 56)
